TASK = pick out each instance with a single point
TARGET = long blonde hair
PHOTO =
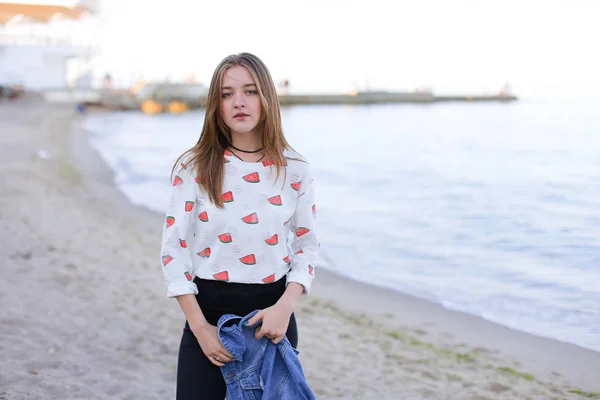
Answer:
(206, 156)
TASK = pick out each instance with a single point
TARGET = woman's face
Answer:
(240, 103)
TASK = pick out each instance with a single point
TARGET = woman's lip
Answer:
(241, 116)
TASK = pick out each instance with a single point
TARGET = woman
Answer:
(237, 196)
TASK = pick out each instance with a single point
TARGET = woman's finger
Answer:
(259, 332)
(225, 352)
(257, 317)
(224, 357)
(273, 334)
(269, 334)
(215, 356)
(277, 339)
(216, 361)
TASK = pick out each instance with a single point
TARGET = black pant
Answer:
(197, 377)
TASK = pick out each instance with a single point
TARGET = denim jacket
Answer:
(260, 369)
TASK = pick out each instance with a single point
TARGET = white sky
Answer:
(542, 47)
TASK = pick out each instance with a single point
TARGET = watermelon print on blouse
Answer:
(273, 240)
(221, 276)
(203, 216)
(225, 238)
(250, 259)
(252, 178)
(251, 218)
(275, 200)
(268, 163)
(302, 231)
(166, 260)
(227, 197)
(205, 253)
(170, 221)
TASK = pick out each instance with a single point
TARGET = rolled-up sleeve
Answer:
(305, 244)
(176, 259)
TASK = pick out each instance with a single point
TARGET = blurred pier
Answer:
(180, 97)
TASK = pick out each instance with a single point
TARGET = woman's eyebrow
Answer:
(246, 85)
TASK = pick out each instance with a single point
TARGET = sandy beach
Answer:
(84, 315)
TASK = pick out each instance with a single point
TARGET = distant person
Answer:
(108, 81)
(237, 196)
(286, 86)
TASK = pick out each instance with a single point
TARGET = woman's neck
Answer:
(246, 142)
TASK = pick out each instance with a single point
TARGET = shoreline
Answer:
(529, 349)
(84, 312)
(568, 337)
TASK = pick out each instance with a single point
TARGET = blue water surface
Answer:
(492, 209)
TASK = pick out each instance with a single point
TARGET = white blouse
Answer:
(266, 230)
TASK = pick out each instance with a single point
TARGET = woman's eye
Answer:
(251, 92)
(225, 95)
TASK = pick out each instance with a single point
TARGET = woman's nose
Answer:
(240, 101)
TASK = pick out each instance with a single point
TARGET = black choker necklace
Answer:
(245, 151)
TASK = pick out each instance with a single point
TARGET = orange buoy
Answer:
(177, 107)
(151, 107)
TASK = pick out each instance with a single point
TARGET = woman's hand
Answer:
(208, 338)
(275, 321)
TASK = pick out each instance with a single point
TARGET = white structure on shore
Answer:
(44, 47)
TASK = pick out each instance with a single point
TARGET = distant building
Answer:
(47, 46)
